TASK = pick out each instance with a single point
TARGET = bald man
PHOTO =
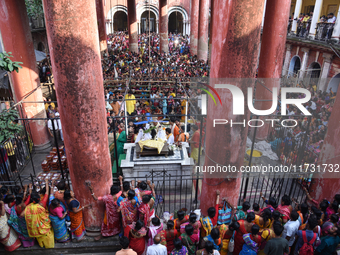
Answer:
(157, 248)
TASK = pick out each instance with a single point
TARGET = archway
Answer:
(41, 47)
(313, 73)
(294, 66)
(184, 26)
(334, 83)
(147, 24)
(112, 19)
(175, 24)
(120, 22)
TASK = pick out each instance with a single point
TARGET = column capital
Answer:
(305, 50)
(288, 47)
(327, 57)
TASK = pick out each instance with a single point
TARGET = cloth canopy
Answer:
(39, 55)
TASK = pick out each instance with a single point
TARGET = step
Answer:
(107, 245)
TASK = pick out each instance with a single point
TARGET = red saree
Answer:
(111, 223)
(137, 240)
(129, 212)
(167, 239)
(146, 211)
(238, 238)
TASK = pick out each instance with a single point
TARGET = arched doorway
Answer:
(41, 47)
(313, 73)
(175, 24)
(120, 22)
(146, 24)
(334, 83)
(294, 66)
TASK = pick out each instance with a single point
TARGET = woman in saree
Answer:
(266, 235)
(155, 228)
(168, 236)
(38, 221)
(245, 227)
(8, 237)
(179, 248)
(251, 241)
(264, 219)
(193, 222)
(189, 240)
(146, 210)
(208, 249)
(61, 186)
(57, 217)
(141, 189)
(111, 223)
(226, 232)
(76, 215)
(215, 238)
(136, 233)
(17, 220)
(285, 208)
(128, 207)
(181, 218)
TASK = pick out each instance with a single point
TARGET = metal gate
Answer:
(173, 192)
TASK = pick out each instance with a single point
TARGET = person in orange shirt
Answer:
(183, 137)
(174, 129)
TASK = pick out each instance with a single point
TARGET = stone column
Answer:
(316, 17)
(298, 6)
(326, 66)
(304, 63)
(211, 31)
(234, 55)
(287, 59)
(184, 27)
(203, 29)
(194, 26)
(163, 26)
(17, 38)
(264, 12)
(271, 57)
(132, 25)
(72, 34)
(336, 31)
(101, 26)
(325, 184)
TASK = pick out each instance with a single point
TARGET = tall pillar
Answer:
(316, 17)
(163, 26)
(211, 31)
(287, 59)
(325, 182)
(336, 31)
(203, 30)
(194, 26)
(132, 25)
(101, 26)
(234, 55)
(264, 12)
(298, 6)
(304, 62)
(271, 57)
(326, 66)
(72, 34)
(17, 38)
